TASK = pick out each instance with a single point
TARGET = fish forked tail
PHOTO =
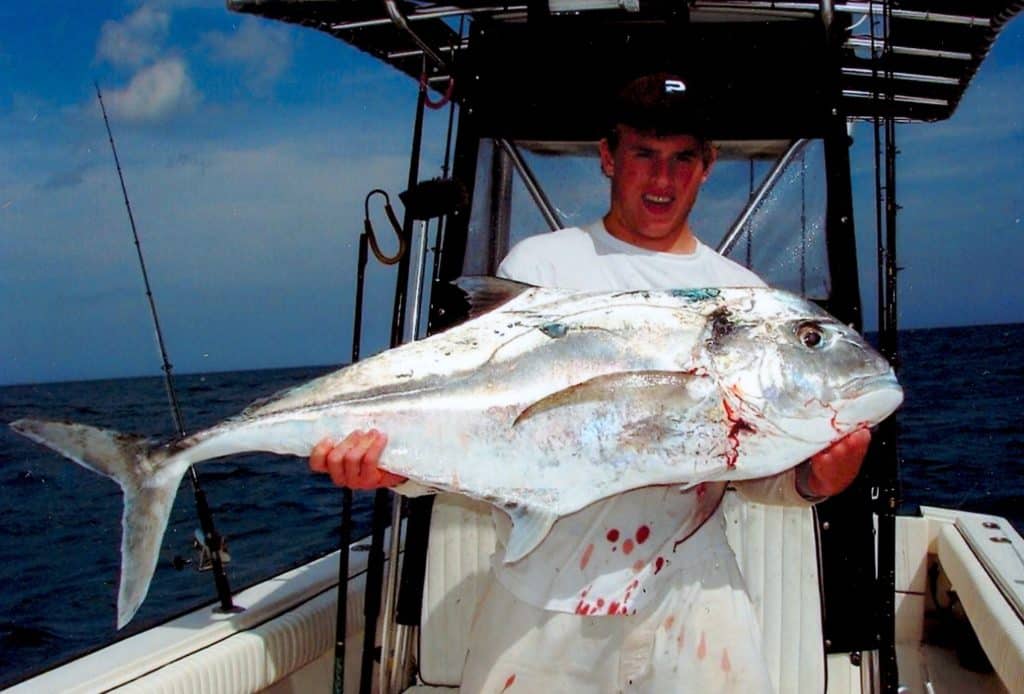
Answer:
(149, 490)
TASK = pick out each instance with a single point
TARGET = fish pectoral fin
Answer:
(670, 385)
(529, 528)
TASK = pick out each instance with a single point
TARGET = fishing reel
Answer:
(203, 554)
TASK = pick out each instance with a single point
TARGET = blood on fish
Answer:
(613, 607)
(642, 533)
(738, 426)
(627, 547)
(613, 535)
(600, 602)
(669, 621)
(702, 647)
(638, 566)
(509, 682)
(585, 559)
(726, 665)
(658, 564)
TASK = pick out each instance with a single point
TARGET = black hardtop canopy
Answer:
(542, 70)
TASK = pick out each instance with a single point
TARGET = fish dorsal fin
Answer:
(484, 293)
(529, 528)
(604, 388)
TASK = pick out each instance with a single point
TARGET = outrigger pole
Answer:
(887, 485)
(382, 497)
(210, 537)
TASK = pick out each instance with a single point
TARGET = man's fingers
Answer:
(353, 462)
(318, 456)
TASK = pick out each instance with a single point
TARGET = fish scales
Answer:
(542, 406)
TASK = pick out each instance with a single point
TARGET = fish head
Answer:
(785, 365)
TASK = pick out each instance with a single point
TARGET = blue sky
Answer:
(248, 146)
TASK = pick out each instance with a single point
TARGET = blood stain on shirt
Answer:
(627, 546)
(509, 682)
(613, 608)
(659, 563)
(642, 533)
(680, 640)
(726, 665)
(702, 647)
(669, 621)
(638, 566)
(585, 559)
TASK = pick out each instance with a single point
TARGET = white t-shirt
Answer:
(617, 555)
(591, 259)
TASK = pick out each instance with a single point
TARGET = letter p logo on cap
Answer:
(674, 86)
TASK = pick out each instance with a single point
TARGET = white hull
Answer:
(284, 640)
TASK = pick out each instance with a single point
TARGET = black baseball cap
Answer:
(661, 103)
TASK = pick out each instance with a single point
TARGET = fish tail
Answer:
(149, 490)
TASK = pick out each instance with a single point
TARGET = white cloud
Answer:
(155, 92)
(263, 51)
(135, 40)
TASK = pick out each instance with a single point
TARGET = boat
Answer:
(853, 596)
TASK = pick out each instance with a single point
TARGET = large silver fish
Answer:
(542, 406)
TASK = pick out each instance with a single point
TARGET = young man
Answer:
(639, 592)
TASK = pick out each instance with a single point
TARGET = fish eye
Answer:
(811, 335)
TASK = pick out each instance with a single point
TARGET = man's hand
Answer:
(353, 462)
(835, 468)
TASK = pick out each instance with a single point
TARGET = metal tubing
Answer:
(905, 76)
(540, 198)
(415, 52)
(901, 98)
(865, 42)
(769, 7)
(387, 615)
(399, 21)
(769, 182)
(412, 328)
(437, 13)
(396, 682)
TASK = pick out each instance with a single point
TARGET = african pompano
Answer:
(541, 406)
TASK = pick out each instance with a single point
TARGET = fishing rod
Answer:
(366, 238)
(210, 536)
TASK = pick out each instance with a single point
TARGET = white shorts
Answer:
(702, 636)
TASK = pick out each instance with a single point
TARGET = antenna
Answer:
(213, 540)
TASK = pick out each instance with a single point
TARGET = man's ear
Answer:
(607, 157)
(710, 157)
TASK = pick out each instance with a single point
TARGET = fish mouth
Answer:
(863, 385)
(869, 399)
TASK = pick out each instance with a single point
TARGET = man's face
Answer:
(655, 181)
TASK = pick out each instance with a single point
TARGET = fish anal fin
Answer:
(530, 525)
(667, 385)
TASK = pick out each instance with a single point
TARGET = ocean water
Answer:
(962, 446)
